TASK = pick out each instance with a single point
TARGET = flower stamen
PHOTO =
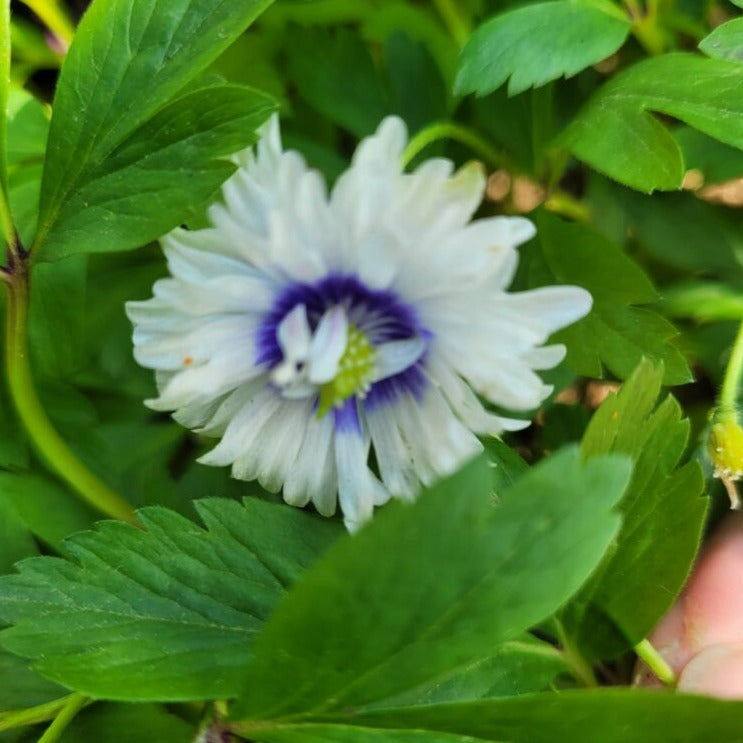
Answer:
(355, 373)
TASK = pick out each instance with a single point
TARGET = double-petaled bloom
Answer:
(346, 347)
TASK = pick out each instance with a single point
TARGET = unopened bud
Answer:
(725, 448)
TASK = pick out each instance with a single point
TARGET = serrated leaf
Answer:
(725, 41)
(617, 133)
(128, 60)
(170, 165)
(616, 334)
(428, 587)
(663, 515)
(169, 613)
(533, 45)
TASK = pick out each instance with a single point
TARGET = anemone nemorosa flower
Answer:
(306, 329)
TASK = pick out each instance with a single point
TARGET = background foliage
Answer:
(618, 128)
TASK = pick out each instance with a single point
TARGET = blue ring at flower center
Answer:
(379, 314)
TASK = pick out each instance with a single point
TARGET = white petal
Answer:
(439, 443)
(273, 452)
(394, 357)
(294, 334)
(197, 385)
(328, 345)
(313, 476)
(358, 488)
(465, 404)
(384, 147)
(546, 357)
(244, 428)
(378, 260)
(393, 454)
(555, 306)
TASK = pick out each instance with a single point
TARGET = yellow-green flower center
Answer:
(725, 447)
(354, 373)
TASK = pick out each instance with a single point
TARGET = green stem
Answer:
(459, 26)
(75, 702)
(581, 668)
(655, 662)
(448, 130)
(562, 203)
(20, 718)
(43, 434)
(53, 17)
(6, 225)
(731, 381)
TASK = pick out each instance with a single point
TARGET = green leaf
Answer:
(515, 667)
(148, 184)
(16, 542)
(532, 45)
(57, 319)
(169, 613)
(507, 465)
(717, 162)
(703, 301)
(617, 133)
(725, 41)
(14, 452)
(411, 66)
(663, 515)
(616, 334)
(4, 90)
(588, 716)
(118, 723)
(22, 687)
(28, 127)
(429, 587)
(419, 23)
(128, 60)
(685, 232)
(49, 510)
(336, 74)
(345, 733)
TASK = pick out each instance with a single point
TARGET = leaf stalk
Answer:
(74, 703)
(449, 130)
(656, 662)
(44, 436)
(731, 380)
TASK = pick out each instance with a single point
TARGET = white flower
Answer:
(306, 329)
